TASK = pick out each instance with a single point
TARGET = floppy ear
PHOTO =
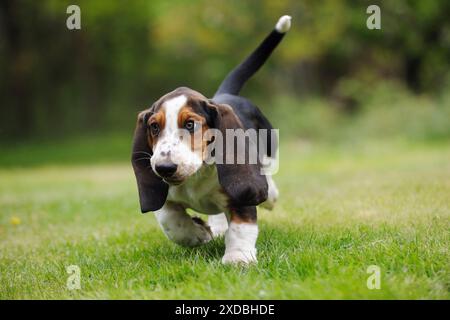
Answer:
(152, 189)
(243, 183)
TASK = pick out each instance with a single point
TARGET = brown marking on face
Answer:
(159, 118)
(186, 114)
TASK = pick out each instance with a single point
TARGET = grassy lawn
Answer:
(342, 208)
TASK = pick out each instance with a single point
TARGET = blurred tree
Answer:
(55, 81)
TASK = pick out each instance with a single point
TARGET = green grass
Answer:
(342, 208)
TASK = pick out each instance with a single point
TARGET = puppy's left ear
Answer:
(243, 183)
(152, 189)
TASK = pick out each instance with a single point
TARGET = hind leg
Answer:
(272, 194)
(180, 227)
(218, 224)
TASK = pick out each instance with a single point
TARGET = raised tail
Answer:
(236, 79)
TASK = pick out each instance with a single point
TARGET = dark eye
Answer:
(190, 125)
(154, 128)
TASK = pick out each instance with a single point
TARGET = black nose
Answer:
(166, 170)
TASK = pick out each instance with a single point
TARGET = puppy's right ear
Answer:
(152, 189)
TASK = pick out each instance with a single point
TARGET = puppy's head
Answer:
(170, 145)
(175, 126)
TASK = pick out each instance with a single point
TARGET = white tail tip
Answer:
(284, 24)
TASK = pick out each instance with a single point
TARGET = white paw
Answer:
(240, 257)
(284, 24)
(218, 224)
(272, 194)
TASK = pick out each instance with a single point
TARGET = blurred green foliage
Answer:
(388, 118)
(56, 82)
(389, 112)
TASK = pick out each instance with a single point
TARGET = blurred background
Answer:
(73, 95)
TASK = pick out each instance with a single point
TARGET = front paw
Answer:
(244, 257)
(193, 233)
(202, 232)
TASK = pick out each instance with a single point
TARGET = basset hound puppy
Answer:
(172, 157)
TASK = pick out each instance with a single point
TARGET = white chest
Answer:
(200, 192)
